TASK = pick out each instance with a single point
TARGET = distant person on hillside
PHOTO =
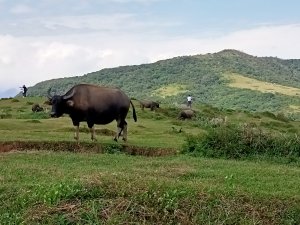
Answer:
(24, 90)
(189, 101)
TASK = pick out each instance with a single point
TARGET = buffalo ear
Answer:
(70, 103)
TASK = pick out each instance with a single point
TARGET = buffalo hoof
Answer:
(115, 139)
(93, 139)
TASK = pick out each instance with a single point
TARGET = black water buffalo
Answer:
(186, 114)
(95, 105)
(148, 104)
(37, 108)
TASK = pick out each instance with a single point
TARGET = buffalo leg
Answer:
(118, 134)
(125, 132)
(92, 130)
(76, 135)
(120, 128)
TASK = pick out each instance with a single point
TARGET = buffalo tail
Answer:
(133, 109)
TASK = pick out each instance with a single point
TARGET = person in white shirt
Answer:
(189, 101)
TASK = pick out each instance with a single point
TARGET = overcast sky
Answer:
(46, 39)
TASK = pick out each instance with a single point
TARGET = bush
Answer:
(113, 148)
(282, 117)
(15, 100)
(242, 141)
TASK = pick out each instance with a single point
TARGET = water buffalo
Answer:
(186, 114)
(37, 108)
(95, 105)
(148, 104)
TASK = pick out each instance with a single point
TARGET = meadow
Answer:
(239, 81)
(163, 175)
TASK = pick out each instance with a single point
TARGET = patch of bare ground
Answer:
(82, 147)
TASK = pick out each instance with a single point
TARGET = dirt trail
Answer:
(83, 147)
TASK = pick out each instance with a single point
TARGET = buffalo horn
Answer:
(49, 94)
(68, 96)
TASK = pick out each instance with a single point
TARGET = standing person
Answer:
(189, 101)
(24, 90)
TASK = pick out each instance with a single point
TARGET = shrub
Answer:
(242, 141)
(15, 100)
(113, 148)
(282, 117)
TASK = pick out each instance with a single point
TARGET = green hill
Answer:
(205, 77)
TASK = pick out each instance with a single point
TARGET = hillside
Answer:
(202, 76)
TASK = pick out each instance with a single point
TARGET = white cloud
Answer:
(278, 41)
(28, 60)
(21, 9)
(95, 22)
(281, 41)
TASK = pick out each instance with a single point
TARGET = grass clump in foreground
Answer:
(231, 141)
(68, 188)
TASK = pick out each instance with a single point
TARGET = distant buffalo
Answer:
(148, 104)
(186, 114)
(37, 108)
(95, 105)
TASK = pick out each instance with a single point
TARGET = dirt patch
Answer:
(83, 147)
(6, 148)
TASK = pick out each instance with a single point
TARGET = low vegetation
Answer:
(89, 188)
(221, 167)
(244, 142)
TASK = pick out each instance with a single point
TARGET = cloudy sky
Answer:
(46, 39)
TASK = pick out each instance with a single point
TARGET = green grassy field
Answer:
(42, 186)
(239, 81)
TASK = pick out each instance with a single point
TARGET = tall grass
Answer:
(232, 141)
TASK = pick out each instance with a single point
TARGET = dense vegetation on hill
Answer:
(202, 76)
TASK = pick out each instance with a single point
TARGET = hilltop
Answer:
(210, 78)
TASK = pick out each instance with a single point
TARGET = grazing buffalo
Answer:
(95, 105)
(186, 114)
(148, 104)
(37, 108)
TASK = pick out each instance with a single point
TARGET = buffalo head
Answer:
(59, 103)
